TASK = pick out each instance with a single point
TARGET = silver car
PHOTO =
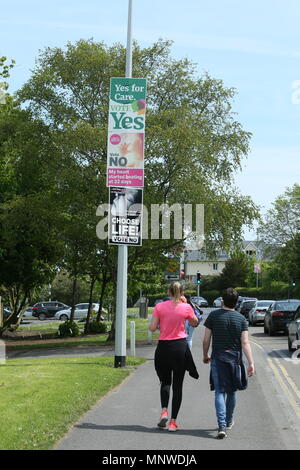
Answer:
(294, 332)
(80, 312)
(258, 311)
(218, 302)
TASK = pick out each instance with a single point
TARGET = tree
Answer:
(29, 240)
(282, 223)
(193, 142)
(288, 261)
(236, 270)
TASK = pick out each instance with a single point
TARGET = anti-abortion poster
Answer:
(126, 132)
(125, 217)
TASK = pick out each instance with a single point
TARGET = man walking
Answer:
(228, 330)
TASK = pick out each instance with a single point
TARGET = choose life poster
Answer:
(126, 132)
(125, 217)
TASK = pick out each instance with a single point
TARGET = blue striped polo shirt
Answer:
(227, 327)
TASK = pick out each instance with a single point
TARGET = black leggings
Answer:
(169, 361)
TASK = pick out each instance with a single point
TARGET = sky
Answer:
(253, 47)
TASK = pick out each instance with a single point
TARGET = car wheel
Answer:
(271, 330)
(42, 316)
(64, 317)
(265, 329)
(291, 349)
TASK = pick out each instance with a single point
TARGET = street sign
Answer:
(125, 217)
(172, 273)
(126, 132)
(172, 277)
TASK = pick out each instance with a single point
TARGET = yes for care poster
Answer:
(126, 132)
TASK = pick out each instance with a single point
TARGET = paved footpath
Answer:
(126, 419)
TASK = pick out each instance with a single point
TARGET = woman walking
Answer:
(172, 356)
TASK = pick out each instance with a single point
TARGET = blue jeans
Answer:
(189, 331)
(224, 402)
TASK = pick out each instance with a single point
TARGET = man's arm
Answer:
(248, 353)
(206, 344)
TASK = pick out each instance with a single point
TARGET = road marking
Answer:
(288, 378)
(285, 389)
(258, 345)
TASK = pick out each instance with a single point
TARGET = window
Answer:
(215, 266)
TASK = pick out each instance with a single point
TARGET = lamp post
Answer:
(121, 307)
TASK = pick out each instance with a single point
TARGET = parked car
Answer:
(258, 311)
(218, 302)
(43, 310)
(200, 301)
(279, 315)
(239, 301)
(28, 312)
(6, 312)
(246, 305)
(80, 312)
(158, 301)
(294, 332)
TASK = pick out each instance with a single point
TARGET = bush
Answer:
(68, 329)
(97, 327)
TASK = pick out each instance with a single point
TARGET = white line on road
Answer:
(288, 378)
(285, 389)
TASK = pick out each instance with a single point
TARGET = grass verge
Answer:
(141, 326)
(42, 398)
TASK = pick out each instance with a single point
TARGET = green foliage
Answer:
(236, 270)
(97, 327)
(68, 329)
(282, 223)
(5, 68)
(53, 165)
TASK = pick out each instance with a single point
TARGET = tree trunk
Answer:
(112, 332)
(87, 322)
(73, 299)
(103, 287)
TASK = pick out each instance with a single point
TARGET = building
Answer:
(198, 261)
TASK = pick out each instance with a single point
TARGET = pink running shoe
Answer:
(163, 419)
(172, 426)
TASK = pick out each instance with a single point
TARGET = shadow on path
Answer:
(204, 433)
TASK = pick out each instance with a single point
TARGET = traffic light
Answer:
(293, 283)
(198, 278)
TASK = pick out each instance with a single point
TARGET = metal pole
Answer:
(121, 309)
(128, 72)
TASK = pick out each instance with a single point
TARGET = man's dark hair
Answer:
(230, 297)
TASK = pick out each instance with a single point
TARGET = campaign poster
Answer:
(125, 217)
(126, 132)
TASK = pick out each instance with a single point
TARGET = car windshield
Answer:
(249, 303)
(286, 306)
(263, 303)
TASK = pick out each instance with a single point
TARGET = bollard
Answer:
(132, 338)
(149, 333)
(2, 352)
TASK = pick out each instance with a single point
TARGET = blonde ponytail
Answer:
(176, 291)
